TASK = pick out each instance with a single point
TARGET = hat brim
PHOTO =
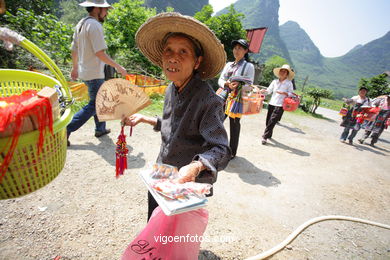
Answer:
(291, 74)
(89, 4)
(150, 35)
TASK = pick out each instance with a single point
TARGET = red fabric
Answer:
(255, 37)
(14, 111)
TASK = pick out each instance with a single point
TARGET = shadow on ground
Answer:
(292, 129)
(249, 173)
(296, 151)
(208, 255)
(106, 149)
(375, 149)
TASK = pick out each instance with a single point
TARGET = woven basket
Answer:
(30, 170)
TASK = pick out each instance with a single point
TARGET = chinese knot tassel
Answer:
(121, 153)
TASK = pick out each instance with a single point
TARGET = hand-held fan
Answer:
(118, 99)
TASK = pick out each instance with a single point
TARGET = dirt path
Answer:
(262, 196)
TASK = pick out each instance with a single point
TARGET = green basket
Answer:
(30, 170)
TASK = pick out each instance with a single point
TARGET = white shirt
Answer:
(276, 85)
(86, 44)
(358, 100)
(249, 71)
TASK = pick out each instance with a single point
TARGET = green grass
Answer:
(156, 107)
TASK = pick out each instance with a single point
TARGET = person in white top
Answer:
(239, 67)
(350, 122)
(89, 57)
(280, 89)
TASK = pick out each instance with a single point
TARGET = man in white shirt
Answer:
(280, 89)
(89, 57)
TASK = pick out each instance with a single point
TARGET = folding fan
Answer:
(118, 98)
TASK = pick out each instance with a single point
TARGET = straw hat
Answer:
(291, 73)
(150, 35)
(95, 3)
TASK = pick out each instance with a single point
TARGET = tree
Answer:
(317, 94)
(227, 27)
(44, 30)
(120, 26)
(71, 12)
(268, 72)
(377, 85)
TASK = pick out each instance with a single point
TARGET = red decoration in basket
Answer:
(15, 109)
(121, 152)
(291, 103)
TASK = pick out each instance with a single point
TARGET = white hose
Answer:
(308, 223)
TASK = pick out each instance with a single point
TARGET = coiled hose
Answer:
(308, 223)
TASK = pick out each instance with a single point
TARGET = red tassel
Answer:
(121, 153)
(14, 111)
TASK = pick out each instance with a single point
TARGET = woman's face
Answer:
(239, 52)
(283, 73)
(362, 92)
(179, 60)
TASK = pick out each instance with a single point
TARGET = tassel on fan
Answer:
(116, 100)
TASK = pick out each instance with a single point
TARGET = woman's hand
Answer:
(190, 171)
(233, 85)
(133, 120)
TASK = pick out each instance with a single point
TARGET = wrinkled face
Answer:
(283, 73)
(179, 60)
(239, 52)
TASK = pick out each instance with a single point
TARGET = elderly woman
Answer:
(192, 132)
(280, 89)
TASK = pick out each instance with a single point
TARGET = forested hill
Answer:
(340, 74)
(184, 7)
(291, 42)
(263, 13)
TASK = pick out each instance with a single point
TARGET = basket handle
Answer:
(11, 38)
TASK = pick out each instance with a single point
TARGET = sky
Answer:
(335, 26)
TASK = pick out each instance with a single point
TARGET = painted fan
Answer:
(118, 98)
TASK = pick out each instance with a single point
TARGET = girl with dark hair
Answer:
(239, 67)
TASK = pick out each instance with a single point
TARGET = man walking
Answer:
(89, 57)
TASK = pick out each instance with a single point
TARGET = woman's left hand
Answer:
(233, 85)
(190, 171)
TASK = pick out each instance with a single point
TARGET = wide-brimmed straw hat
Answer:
(291, 73)
(95, 3)
(150, 36)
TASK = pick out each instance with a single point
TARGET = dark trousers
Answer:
(152, 204)
(273, 115)
(235, 128)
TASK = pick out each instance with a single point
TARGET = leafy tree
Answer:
(227, 27)
(71, 12)
(120, 26)
(36, 6)
(317, 94)
(44, 30)
(377, 85)
(268, 72)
